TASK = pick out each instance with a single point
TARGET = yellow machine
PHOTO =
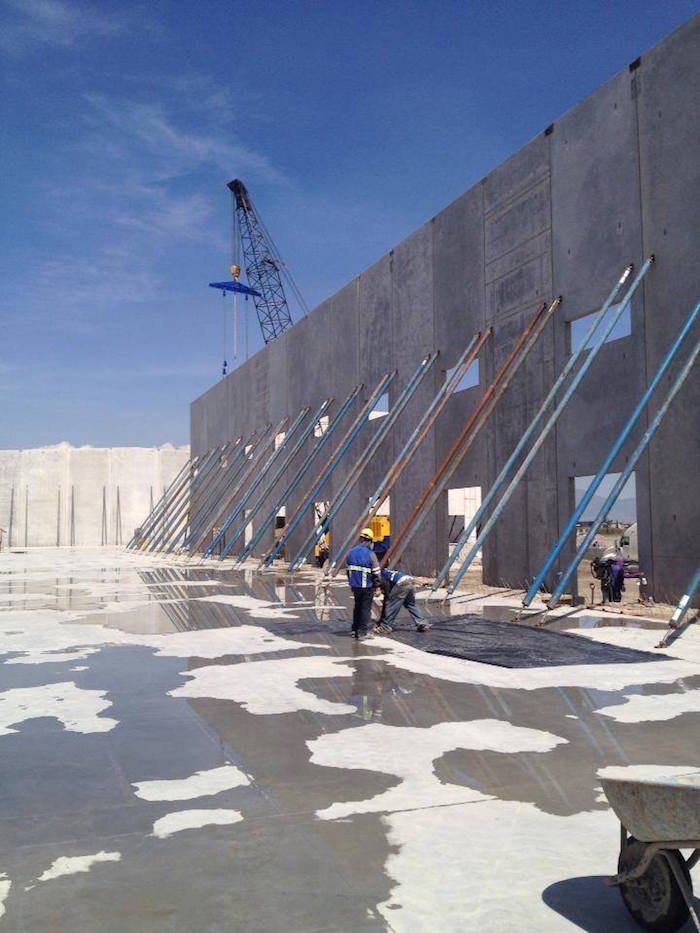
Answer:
(381, 529)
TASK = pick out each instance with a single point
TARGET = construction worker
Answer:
(399, 591)
(362, 568)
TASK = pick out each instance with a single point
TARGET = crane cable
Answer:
(225, 364)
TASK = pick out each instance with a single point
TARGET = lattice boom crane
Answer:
(263, 266)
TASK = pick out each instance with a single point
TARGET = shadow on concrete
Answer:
(590, 904)
(593, 906)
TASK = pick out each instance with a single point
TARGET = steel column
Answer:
(623, 477)
(258, 480)
(255, 508)
(356, 472)
(300, 473)
(174, 509)
(202, 494)
(612, 453)
(325, 473)
(549, 424)
(229, 475)
(169, 498)
(153, 515)
(681, 608)
(180, 511)
(531, 428)
(254, 459)
(411, 446)
(470, 431)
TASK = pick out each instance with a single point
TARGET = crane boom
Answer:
(263, 266)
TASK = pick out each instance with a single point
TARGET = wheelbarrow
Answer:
(658, 819)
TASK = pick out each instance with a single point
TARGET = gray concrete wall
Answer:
(42, 488)
(616, 178)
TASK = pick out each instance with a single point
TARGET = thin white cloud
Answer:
(137, 129)
(131, 193)
(31, 24)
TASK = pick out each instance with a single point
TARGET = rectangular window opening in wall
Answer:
(248, 533)
(381, 409)
(616, 536)
(323, 545)
(462, 504)
(321, 426)
(468, 380)
(578, 328)
(320, 510)
(280, 524)
(385, 507)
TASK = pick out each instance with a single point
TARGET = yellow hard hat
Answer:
(367, 533)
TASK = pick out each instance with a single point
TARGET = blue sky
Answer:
(351, 124)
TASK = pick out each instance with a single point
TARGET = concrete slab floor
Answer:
(187, 747)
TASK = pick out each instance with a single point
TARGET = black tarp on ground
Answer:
(506, 644)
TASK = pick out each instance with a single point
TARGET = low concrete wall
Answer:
(80, 496)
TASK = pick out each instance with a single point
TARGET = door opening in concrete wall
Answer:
(381, 408)
(616, 537)
(468, 380)
(322, 547)
(462, 504)
(280, 524)
(578, 328)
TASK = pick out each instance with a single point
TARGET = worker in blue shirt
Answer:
(362, 568)
(399, 591)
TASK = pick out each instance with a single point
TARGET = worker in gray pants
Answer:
(399, 591)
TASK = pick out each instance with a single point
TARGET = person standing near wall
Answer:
(362, 568)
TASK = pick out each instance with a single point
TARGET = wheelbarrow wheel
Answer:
(654, 899)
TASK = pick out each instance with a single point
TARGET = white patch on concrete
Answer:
(73, 865)
(46, 636)
(200, 784)
(193, 819)
(653, 707)
(267, 687)
(410, 753)
(79, 710)
(5, 885)
(453, 863)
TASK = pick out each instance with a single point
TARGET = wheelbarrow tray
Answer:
(659, 810)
